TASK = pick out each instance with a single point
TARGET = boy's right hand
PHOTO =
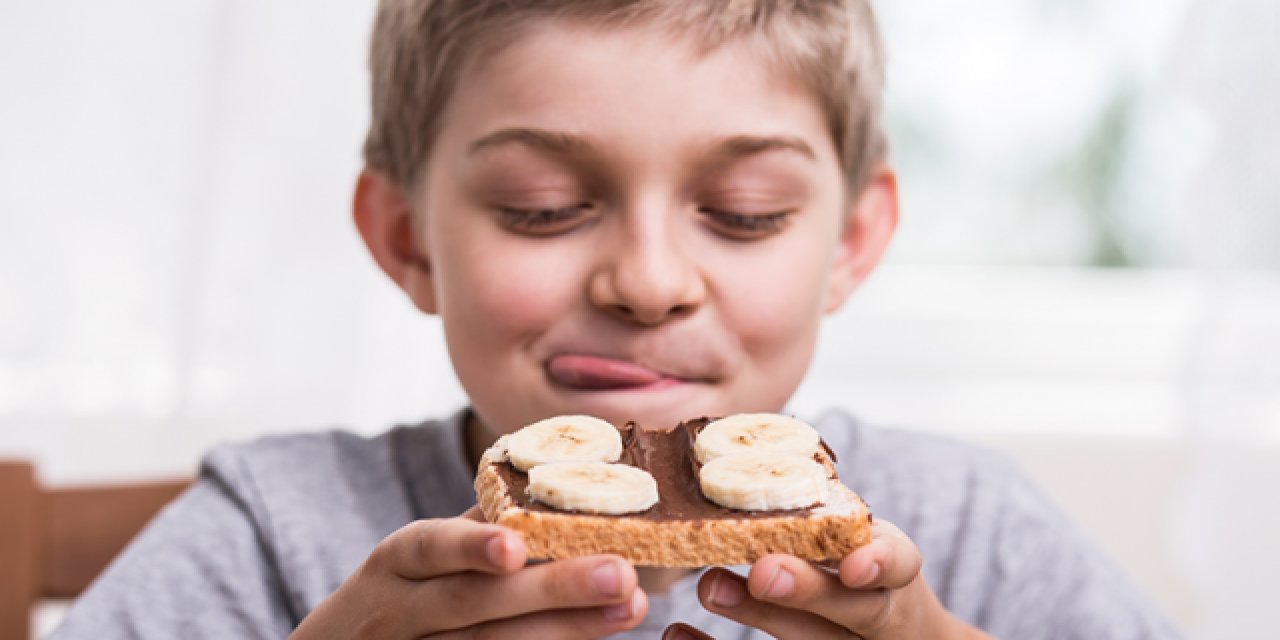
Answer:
(463, 578)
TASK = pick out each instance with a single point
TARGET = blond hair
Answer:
(419, 48)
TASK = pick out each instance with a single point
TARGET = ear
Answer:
(386, 223)
(869, 225)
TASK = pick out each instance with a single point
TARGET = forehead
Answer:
(639, 87)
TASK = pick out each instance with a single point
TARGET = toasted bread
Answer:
(683, 529)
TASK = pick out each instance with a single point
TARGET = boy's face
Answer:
(611, 224)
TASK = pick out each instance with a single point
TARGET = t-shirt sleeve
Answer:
(1050, 582)
(200, 569)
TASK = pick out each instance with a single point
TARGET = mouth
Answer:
(598, 373)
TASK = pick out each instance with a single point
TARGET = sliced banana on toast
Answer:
(569, 460)
(564, 439)
(778, 490)
(753, 461)
(764, 481)
(755, 433)
(593, 487)
(761, 462)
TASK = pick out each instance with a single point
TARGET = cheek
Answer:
(774, 301)
(775, 311)
(499, 292)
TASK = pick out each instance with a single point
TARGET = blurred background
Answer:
(1087, 274)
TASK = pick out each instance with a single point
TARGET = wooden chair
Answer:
(55, 541)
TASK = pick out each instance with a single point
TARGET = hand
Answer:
(874, 593)
(462, 578)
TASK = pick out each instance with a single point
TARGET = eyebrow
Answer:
(559, 142)
(565, 143)
(735, 147)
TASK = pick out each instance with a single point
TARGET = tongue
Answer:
(591, 372)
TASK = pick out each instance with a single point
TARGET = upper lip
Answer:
(658, 371)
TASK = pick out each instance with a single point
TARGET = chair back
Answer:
(55, 541)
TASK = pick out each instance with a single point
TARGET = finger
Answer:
(682, 631)
(890, 561)
(430, 548)
(555, 625)
(467, 599)
(725, 594)
(799, 585)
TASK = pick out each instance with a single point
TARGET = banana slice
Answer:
(593, 487)
(564, 439)
(764, 481)
(755, 433)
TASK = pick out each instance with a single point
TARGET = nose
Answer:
(645, 278)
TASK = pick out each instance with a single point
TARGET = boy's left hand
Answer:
(876, 592)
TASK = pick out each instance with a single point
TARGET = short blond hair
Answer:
(419, 48)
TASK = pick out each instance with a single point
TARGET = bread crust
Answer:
(827, 532)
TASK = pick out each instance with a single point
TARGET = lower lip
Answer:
(657, 385)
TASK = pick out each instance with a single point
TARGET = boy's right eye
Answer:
(545, 221)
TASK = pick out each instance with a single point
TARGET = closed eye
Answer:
(544, 221)
(744, 226)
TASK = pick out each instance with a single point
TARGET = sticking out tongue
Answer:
(593, 372)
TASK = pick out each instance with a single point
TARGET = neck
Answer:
(475, 438)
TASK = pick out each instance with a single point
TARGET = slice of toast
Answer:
(683, 529)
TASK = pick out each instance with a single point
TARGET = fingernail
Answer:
(496, 550)
(620, 612)
(606, 579)
(871, 576)
(682, 631)
(781, 585)
(726, 592)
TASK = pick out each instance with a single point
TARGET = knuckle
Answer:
(452, 605)
(405, 549)
(379, 560)
(916, 562)
(811, 584)
(559, 582)
(423, 533)
(881, 612)
(460, 597)
(575, 583)
(816, 585)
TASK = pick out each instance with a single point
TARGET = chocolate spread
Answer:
(668, 457)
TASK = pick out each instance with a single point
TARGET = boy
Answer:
(638, 210)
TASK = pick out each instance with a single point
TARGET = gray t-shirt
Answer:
(274, 526)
